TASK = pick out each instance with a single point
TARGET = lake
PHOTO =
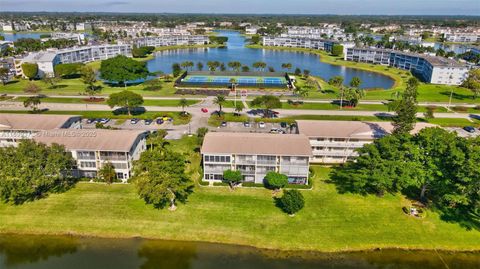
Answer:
(16, 36)
(42, 252)
(236, 51)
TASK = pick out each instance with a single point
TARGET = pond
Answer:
(38, 252)
(15, 36)
(236, 51)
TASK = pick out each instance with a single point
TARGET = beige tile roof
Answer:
(350, 129)
(90, 139)
(32, 122)
(255, 143)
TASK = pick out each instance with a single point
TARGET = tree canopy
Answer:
(30, 70)
(337, 50)
(68, 70)
(473, 82)
(232, 177)
(126, 99)
(291, 202)
(274, 180)
(160, 178)
(434, 166)
(406, 109)
(32, 170)
(122, 69)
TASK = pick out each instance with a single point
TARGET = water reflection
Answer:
(236, 51)
(38, 252)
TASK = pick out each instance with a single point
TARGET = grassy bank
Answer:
(246, 216)
(427, 92)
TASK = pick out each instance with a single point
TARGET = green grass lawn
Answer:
(169, 103)
(247, 216)
(177, 118)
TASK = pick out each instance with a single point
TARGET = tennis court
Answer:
(239, 81)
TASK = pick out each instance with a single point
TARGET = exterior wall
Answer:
(173, 40)
(418, 65)
(331, 150)
(293, 42)
(462, 37)
(255, 167)
(93, 53)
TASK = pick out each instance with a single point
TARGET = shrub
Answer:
(275, 181)
(30, 70)
(460, 108)
(220, 184)
(252, 184)
(291, 202)
(204, 183)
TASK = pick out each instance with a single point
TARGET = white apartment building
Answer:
(5, 44)
(251, 30)
(307, 31)
(15, 127)
(462, 37)
(334, 142)
(95, 147)
(45, 60)
(93, 53)
(255, 154)
(78, 37)
(430, 69)
(294, 42)
(171, 40)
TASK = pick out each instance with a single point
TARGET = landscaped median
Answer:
(87, 100)
(177, 118)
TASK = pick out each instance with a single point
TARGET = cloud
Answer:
(116, 3)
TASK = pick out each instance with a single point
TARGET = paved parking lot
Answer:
(127, 125)
(239, 127)
(462, 133)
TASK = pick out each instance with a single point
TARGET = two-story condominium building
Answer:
(337, 141)
(16, 127)
(93, 148)
(462, 37)
(171, 40)
(430, 69)
(254, 155)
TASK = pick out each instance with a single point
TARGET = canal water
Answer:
(52, 252)
(236, 51)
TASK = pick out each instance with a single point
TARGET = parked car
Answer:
(261, 124)
(148, 122)
(223, 124)
(469, 129)
(134, 121)
(104, 120)
(90, 121)
(246, 124)
(159, 121)
(204, 110)
(283, 124)
(274, 131)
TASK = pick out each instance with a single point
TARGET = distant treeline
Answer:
(170, 19)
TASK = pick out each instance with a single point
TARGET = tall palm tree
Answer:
(183, 103)
(219, 100)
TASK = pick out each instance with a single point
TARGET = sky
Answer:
(343, 7)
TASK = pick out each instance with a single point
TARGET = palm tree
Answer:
(200, 66)
(287, 66)
(219, 100)
(183, 103)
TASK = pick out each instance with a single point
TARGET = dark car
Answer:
(469, 129)
(90, 121)
(134, 121)
(148, 122)
(246, 124)
(223, 124)
(160, 121)
(283, 124)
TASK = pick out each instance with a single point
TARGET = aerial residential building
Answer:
(430, 69)
(93, 53)
(297, 42)
(5, 44)
(254, 155)
(93, 148)
(171, 40)
(15, 127)
(462, 37)
(251, 30)
(336, 141)
(78, 37)
(45, 60)
(83, 26)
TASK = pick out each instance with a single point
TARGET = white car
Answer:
(261, 124)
